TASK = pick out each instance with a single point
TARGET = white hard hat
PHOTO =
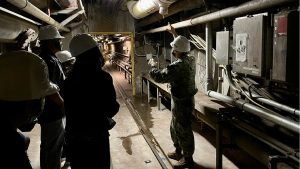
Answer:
(26, 37)
(64, 56)
(81, 43)
(49, 32)
(24, 76)
(181, 44)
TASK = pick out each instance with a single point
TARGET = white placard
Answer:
(149, 56)
(241, 47)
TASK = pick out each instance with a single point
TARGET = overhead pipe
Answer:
(242, 9)
(66, 3)
(140, 9)
(81, 7)
(12, 25)
(173, 9)
(79, 12)
(19, 16)
(242, 104)
(26, 6)
(70, 18)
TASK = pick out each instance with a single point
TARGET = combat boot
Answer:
(185, 162)
(176, 155)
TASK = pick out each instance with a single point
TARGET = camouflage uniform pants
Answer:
(181, 129)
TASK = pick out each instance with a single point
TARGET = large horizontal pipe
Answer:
(221, 97)
(276, 104)
(26, 6)
(243, 9)
(257, 111)
(173, 9)
(242, 104)
(142, 8)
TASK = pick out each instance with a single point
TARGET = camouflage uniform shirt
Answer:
(181, 76)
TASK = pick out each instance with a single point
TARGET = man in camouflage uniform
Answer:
(181, 76)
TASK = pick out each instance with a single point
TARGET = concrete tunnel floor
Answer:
(129, 150)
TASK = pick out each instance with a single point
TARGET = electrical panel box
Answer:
(286, 47)
(249, 35)
(223, 47)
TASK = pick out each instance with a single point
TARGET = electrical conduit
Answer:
(242, 104)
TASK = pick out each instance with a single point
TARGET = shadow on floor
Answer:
(198, 166)
(127, 143)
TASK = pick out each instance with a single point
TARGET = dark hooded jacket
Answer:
(89, 95)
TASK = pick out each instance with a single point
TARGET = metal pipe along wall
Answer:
(242, 104)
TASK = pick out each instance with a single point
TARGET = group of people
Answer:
(73, 110)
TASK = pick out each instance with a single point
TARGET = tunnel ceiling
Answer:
(60, 10)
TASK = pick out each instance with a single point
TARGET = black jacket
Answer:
(52, 111)
(90, 98)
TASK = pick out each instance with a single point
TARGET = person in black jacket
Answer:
(51, 119)
(90, 100)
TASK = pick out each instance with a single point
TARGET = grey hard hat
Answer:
(49, 32)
